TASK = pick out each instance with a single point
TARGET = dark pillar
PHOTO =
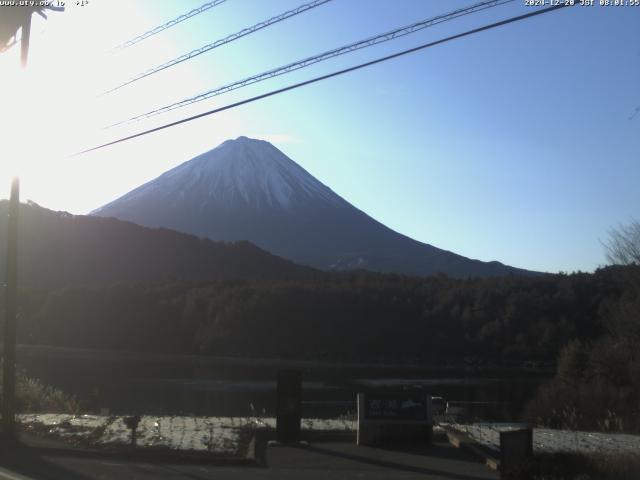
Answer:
(516, 452)
(289, 406)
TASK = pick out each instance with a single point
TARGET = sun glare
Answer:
(54, 107)
(51, 108)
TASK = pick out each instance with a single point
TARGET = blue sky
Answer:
(513, 144)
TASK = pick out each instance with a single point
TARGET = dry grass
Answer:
(34, 396)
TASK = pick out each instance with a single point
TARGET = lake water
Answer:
(198, 385)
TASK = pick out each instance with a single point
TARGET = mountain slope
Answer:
(58, 249)
(247, 189)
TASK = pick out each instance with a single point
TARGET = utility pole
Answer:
(24, 43)
(13, 19)
(18, 19)
(11, 310)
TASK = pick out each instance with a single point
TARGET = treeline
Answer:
(597, 384)
(338, 317)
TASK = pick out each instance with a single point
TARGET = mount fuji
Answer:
(247, 189)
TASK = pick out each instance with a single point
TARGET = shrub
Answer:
(34, 396)
(595, 388)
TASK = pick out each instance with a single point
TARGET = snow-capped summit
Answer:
(254, 172)
(246, 189)
(240, 171)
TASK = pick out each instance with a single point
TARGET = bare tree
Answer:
(623, 246)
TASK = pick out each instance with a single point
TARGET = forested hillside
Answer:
(57, 249)
(354, 316)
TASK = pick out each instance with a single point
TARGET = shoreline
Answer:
(35, 351)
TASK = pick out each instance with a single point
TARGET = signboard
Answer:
(396, 407)
(385, 418)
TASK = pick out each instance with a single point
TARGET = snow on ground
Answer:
(55, 419)
(220, 435)
(223, 435)
(177, 433)
(67, 427)
(546, 440)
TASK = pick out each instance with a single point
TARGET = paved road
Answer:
(326, 461)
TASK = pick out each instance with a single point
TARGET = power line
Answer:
(327, 76)
(368, 42)
(223, 41)
(170, 23)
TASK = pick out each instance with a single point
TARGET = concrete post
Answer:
(516, 450)
(289, 406)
